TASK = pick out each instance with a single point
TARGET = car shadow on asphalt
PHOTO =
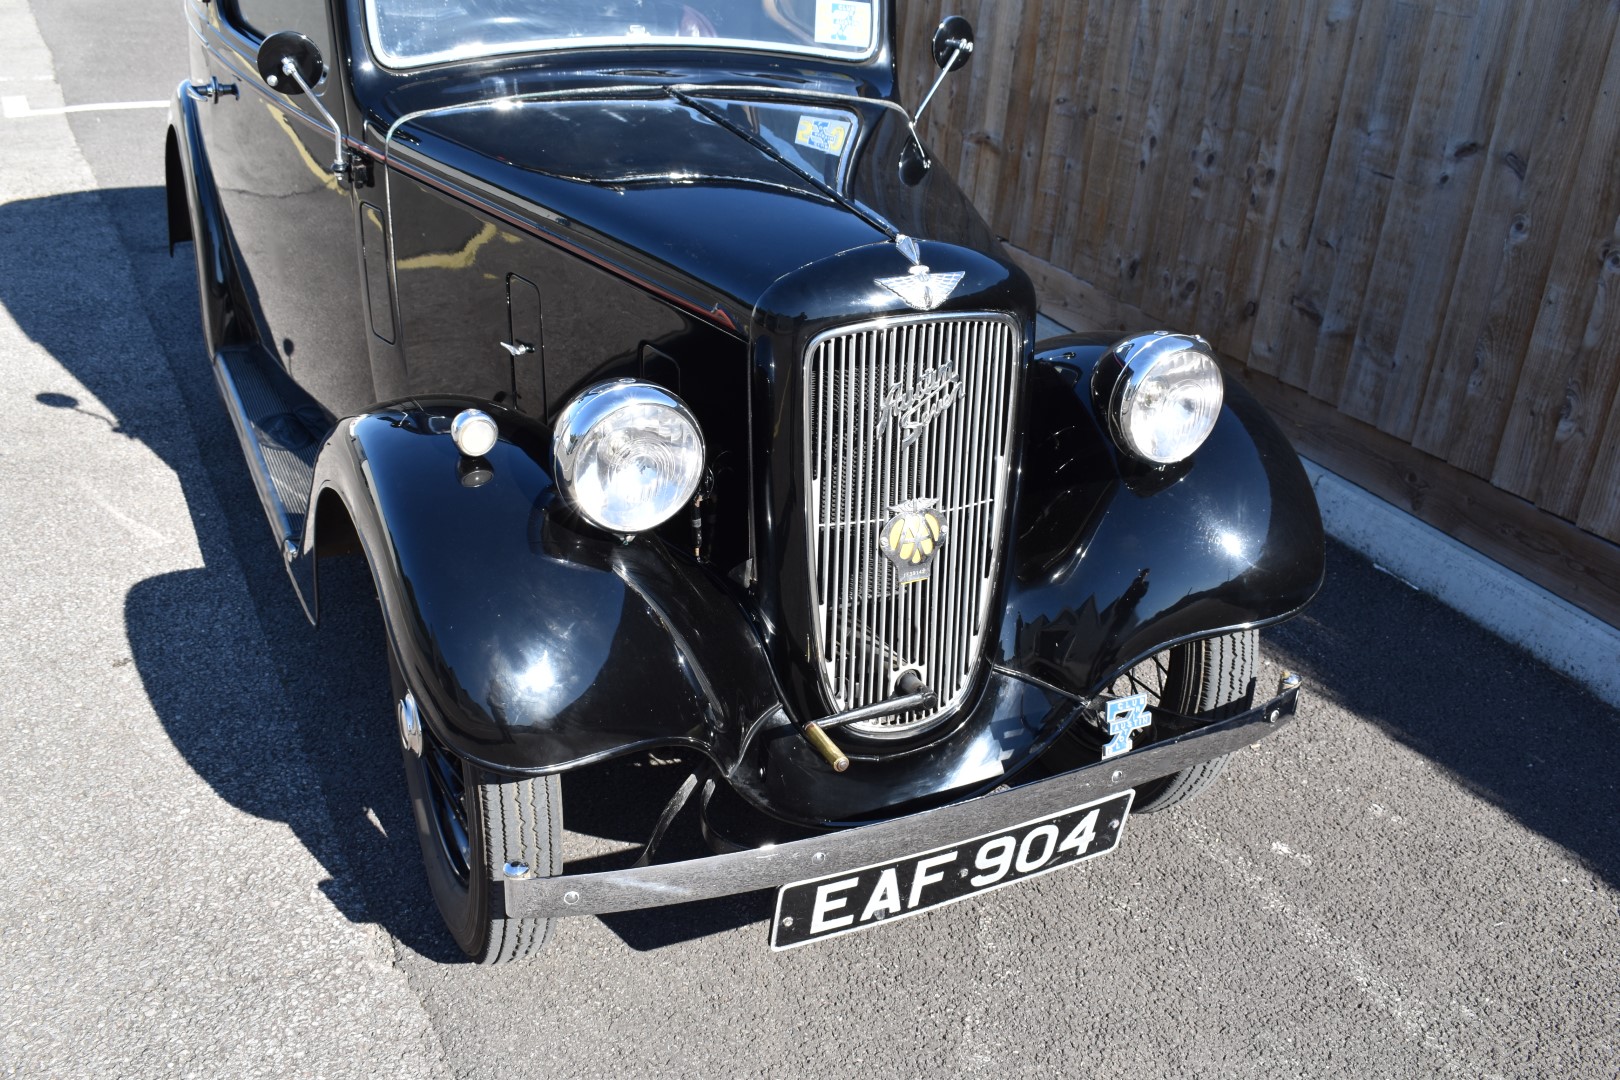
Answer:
(346, 799)
(1497, 721)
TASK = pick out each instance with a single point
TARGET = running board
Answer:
(281, 433)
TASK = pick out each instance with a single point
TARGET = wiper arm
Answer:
(753, 139)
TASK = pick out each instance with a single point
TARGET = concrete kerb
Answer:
(1554, 631)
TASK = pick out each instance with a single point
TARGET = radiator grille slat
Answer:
(906, 417)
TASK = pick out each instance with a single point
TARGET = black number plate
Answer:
(842, 903)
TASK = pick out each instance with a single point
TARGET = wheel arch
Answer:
(534, 644)
(174, 187)
(330, 531)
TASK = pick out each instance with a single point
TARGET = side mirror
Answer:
(289, 47)
(953, 43)
(291, 64)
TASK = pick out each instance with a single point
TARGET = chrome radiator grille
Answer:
(909, 426)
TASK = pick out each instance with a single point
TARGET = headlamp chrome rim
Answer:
(1137, 358)
(584, 415)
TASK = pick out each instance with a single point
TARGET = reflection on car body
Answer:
(678, 401)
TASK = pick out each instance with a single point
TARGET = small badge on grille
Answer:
(912, 538)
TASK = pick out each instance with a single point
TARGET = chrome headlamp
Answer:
(1162, 393)
(628, 455)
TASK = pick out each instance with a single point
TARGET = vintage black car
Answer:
(679, 402)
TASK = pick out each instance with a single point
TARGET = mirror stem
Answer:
(340, 163)
(959, 49)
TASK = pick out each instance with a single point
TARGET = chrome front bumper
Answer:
(765, 868)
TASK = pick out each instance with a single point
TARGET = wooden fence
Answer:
(1398, 220)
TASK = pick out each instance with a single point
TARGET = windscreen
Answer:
(413, 33)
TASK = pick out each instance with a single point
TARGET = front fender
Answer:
(1111, 560)
(532, 645)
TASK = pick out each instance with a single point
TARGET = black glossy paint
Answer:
(646, 227)
(654, 188)
(533, 641)
(1111, 559)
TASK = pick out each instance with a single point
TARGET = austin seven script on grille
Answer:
(917, 406)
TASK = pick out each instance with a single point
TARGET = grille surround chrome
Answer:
(938, 626)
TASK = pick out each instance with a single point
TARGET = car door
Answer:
(292, 221)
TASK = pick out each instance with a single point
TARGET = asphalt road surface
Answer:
(206, 866)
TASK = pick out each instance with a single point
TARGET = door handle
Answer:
(212, 90)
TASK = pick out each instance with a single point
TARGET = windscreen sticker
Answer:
(822, 133)
(844, 22)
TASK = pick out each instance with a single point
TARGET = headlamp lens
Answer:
(1169, 396)
(629, 455)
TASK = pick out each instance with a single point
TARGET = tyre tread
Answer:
(1219, 683)
(520, 825)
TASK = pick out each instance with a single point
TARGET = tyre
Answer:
(1210, 679)
(475, 828)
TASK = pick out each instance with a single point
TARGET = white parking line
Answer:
(15, 106)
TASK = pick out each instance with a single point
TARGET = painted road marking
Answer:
(15, 106)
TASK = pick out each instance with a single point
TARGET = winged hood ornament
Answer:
(921, 289)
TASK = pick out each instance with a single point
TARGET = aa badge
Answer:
(912, 537)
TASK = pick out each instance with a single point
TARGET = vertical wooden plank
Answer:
(1077, 185)
(1322, 85)
(1357, 211)
(1198, 255)
(1559, 470)
(1172, 108)
(1176, 107)
(1292, 325)
(1426, 223)
(1599, 509)
(914, 27)
(1446, 219)
(962, 99)
(1029, 93)
(1125, 140)
(1199, 52)
(1046, 112)
(1360, 175)
(1272, 97)
(1051, 127)
(1514, 232)
(1569, 378)
(1029, 20)
(979, 167)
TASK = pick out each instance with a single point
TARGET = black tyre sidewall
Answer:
(463, 906)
